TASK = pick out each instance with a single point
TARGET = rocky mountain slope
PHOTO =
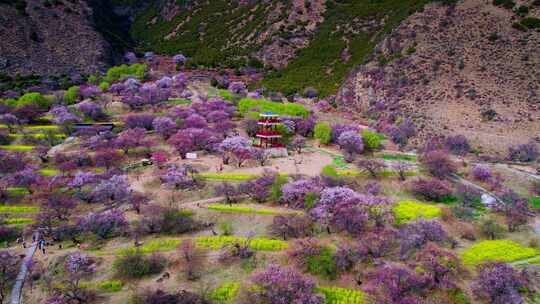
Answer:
(308, 43)
(468, 69)
(53, 37)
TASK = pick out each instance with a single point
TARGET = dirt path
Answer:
(524, 261)
(16, 292)
(520, 171)
(457, 179)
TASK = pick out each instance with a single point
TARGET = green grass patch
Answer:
(497, 250)
(247, 105)
(407, 211)
(37, 136)
(225, 294)
(227, 176)
(226, 94)
(18, 220)
(49, 172)
(17, 191)
(153, 246)
(386, 173)
(535, 202)
(240, 209)
(18, 209)
(124, 71)
(179, 101)
(337, 295)
(258, 244)
(110, 285)
(17, 148)
(404, 157)
(340, 163)
(43, 127)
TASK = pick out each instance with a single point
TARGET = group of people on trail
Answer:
(41, 243)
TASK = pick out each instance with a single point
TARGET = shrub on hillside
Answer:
(531, 22)
(481, 173)
(71, 95)
(351, 143)
(292, 226)
(431, 189)
(166, 220)
(458, 144)
(337, 130)
(323, 133)
(372, 140)
(34, 99)
(283, 285)
(162, 297)
(136, 265)
(8, 234)
(438, 163)
(524, 153)
(123, 71)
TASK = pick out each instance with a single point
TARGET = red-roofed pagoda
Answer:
(268, 134)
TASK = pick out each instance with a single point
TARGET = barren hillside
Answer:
(50, 38)
(455, 70)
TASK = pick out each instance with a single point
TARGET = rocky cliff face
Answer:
(51, 38)
(455, 70)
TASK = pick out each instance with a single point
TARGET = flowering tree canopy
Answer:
(143, 120)
(164, 126)
(393, 284)
(113, 190)
(458, 144)
(191, 139)
(337, 130)
(499, 283)
(179, 177)
(130, 139)
(344, 209)
(438, 163)
(280, 285)
(294, 193)
(351, 142)
(62, 115)
(104, 225)
(401, 133)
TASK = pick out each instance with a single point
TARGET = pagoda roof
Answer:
(268, 114)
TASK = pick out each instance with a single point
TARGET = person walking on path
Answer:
(41, 245)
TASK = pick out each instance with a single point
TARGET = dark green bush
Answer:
(522, 10)
(322, 264)
(35, 99)
(519, 26)
(71, 95)
(509, 4)
(531, 22)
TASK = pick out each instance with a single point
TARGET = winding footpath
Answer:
(16, 292)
